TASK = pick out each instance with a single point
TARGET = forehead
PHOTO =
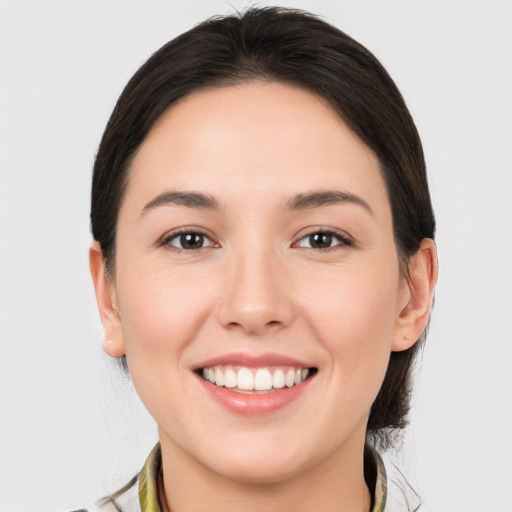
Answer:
(263, 139)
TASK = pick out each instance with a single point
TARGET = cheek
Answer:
(353, 303)
(161, 312)
(353, 314)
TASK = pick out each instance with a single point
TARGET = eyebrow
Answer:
(188, 199)
(305, 201)
(321, 198)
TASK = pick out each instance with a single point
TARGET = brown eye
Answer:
(189, 241)
(320, 240)
(323, 240)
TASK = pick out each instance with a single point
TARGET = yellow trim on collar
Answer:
(381, 487)
(148, 482)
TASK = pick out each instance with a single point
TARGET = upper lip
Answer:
(252, 361)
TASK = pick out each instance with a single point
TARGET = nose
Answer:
(256, 298)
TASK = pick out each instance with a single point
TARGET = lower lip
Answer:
(257, 404)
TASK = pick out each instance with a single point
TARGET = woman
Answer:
(264, 265)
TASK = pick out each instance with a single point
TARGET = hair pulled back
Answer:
(294, 47)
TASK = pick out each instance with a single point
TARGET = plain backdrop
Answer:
(71, 426)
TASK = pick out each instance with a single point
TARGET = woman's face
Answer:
(255, 246)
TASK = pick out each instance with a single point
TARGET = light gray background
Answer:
(71, 427)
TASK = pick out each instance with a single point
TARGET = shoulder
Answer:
(143, 488)
(124, 500)
(390, 489)
(401, 497)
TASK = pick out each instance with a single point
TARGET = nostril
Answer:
(253, 326)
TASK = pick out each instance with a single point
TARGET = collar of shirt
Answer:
(391, 491)
(149, 481)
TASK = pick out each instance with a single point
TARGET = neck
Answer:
(335, 485)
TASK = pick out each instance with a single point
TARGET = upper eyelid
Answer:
(164, 239)
(319, 229)
(344, 242)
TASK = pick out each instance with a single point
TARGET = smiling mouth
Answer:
(249, 380)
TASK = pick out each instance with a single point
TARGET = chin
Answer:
(258, 460)
(260, 471)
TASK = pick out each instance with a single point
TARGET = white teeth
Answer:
(219, 377)
(246, 379)
(278, 379)
(262, 380)
(230, 380)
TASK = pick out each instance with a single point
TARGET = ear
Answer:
(113, 339)
(415, 297)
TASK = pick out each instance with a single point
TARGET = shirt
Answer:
(390, 490)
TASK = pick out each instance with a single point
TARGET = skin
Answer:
(257, 286)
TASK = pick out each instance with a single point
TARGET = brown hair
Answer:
(298, 48)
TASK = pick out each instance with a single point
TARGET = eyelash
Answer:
(176, 235)
(343, 240)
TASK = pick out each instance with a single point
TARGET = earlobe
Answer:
(113, 347)
(416, 296)
(113, 340)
